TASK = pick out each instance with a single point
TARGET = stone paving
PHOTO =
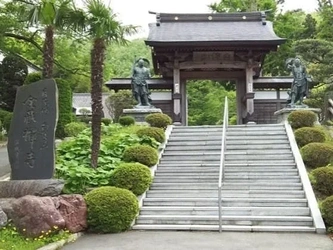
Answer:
(164, 240)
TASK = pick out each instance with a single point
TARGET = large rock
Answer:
(3, 218)
(33, 215)
(31, 147)
(73, 209)
(17, 189)
(7, 206)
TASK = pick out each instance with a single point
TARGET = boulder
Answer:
(6, 206)
(73, 209)
(3, 218)
(34, 215)
(17, 189)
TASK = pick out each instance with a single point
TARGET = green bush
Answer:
(106, 121)
(7, 121)
(156, 133)
(143, 154)
(126, 120)
(158, 120)
(132, 176)
(302, 118)
(117, 101)
(74, 128)
(317, 155)
(308, 135)
(65, 106)
(327, 210)
(323, 180)
(33, 77)
(111, 209)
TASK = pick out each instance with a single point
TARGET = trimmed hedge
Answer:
(126, 120)
(111, 209)
(132, 176)
(106, 121)
(33, 77)
(317, 155)
(327, 210)
(158, 120)
(74, 128)
(65, 106)
(308, 135)
(302, 118)
(6, 119)
(323, 180)
(143, 154)
(156, 133)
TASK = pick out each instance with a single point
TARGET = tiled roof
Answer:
(218, 27)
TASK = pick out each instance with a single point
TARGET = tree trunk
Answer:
(48, 53)
(97, 63)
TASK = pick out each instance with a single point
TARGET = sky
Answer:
(135, 12)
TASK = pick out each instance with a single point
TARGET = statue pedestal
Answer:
(282, 114)
(140, 114)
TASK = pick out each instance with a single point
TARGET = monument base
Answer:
(282, 114)
(140, 114)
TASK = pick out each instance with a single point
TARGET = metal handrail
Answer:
(223, 146)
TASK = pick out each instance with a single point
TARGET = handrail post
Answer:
(221, 172)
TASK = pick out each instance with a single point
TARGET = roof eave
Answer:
(213, 43)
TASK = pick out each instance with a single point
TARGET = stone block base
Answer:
(282, 114)
(140, 114)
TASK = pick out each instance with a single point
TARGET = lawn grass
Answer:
(11, 239)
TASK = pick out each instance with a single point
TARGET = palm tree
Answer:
(52, 15)
(100, 24)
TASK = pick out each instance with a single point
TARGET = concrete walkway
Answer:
(139, 240)
(4, 162)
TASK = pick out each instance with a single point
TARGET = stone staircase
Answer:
(262, 189)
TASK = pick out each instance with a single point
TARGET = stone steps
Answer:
(226, 228)
(225, 194)
(226, 202)
(262, 189)
(227, 220)
(234, 211)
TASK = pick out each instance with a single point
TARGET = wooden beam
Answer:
(212, 75)
(213, 65)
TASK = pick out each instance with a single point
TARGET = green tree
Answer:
(100, 23)
(51, 15)
(206, 102)
(318, 54)
(13, 73)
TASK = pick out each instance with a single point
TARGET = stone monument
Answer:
(31, 147)
(141, 92)
(299, 89)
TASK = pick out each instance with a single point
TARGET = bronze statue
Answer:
(140, 90)
(300, 85)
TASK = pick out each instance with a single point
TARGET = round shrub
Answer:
(111, 209)
(132, 176)
(143, 154)
(327, 210)
(323, 180)
(126, 120)
(74, 128)
(307, 135)
(302, 118)
(158, 120)
(156, 133)
(106, 121)
(7, 121)
(317, 155)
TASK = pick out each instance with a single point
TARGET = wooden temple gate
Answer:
(219, 46)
